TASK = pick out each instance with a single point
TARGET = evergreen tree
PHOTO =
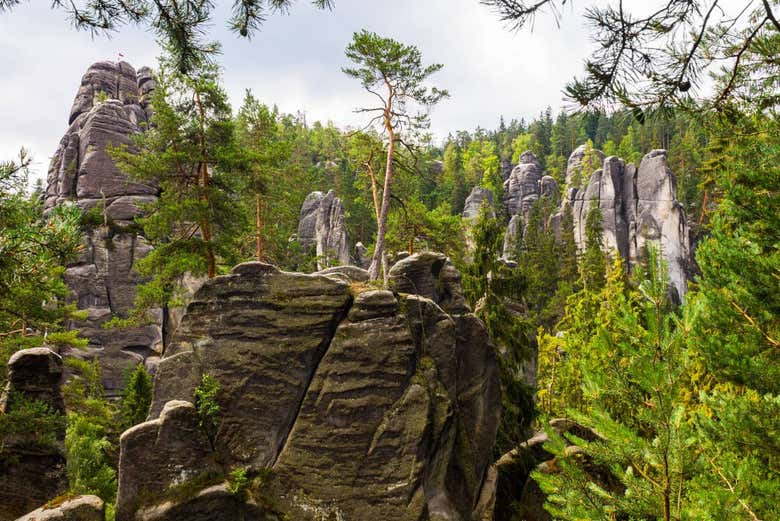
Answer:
(192, 152)
(635, 376)
(398, 70)
(737, 336)
(495, 291)
(136, 397)
(594, 260)
(33, 251)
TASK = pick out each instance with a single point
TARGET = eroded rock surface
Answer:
(80, 508)
(475, 200)
(638, 206)
(367, 405)
(522, 188)
(322, 229)
(111, 105)
(32, 464)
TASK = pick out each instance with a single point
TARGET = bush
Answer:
(207, 407)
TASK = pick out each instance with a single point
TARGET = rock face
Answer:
(638, 206)
(110, 106)
(522, 188)
(526, 185)
(322, 229)
(475, 200)
(32, 466)
(81, 508)
(378, 404)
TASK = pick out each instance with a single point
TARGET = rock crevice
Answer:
(365, 403)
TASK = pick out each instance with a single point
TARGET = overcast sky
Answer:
(295, 61)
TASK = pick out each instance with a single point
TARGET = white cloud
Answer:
(296, 60)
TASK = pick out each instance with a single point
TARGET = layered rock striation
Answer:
(322, 229)
(111, 105)
(363, 403)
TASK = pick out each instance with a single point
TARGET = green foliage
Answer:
(33, 251)
(238, 481)
(495, 290)
(736, 339)
(88, 465)
(207, 407)
(414, 227)
(136, 397)
(590, 163)
(191, 150)
(397, 70)
(634, 377)
(594, 260)
(33, 422)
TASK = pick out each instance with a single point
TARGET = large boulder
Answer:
(32, 463)
(363, 403)
(111, 105)
(322, 229)
(79, 508)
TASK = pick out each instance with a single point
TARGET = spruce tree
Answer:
(495, 291)
(594, 260)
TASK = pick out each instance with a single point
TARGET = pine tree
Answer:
(635, 376)
(397, 69)
(192, 152)
(737, 336)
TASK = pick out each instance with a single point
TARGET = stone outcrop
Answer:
(322, 229)
(111, 105)
(577, 165)
(522, 188)
(638, 206)
(366, 404)
(526, 184)
(80, 508)
(474, 202)
(32, 463)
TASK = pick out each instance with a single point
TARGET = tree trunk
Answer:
(204, 224)
(259, 253)
(379, 249)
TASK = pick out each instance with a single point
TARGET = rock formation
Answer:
(322, 229)
(366, 404)
(638, 206)
(32, 463)
(522, 188)
(80, 508)
(474, 202)
(526, 184)
(110, 106)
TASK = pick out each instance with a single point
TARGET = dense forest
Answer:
(671, 395)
